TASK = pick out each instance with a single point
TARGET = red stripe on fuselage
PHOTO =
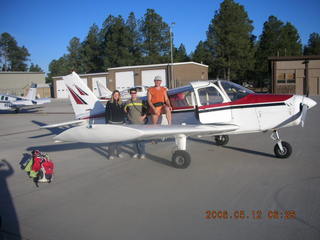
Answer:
(252, 99)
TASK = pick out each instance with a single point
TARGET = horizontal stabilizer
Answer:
(76, 122)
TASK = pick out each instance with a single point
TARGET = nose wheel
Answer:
(282, 149)
(221, 140)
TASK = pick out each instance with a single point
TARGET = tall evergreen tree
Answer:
(202, 54)
(277, 39)
(135, 38)
(229, 39)
(116, 43)
(13, 56)
(74, 57)
(35, 68)
(91, 52)
(180, 54)
(313, 46)
(58, 67)
(156, 38)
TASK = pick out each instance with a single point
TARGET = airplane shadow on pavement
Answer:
(52, 131)
(22, 111)
(234, 148)
(9, 224)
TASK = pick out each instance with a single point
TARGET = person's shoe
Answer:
(120, 155)
(135, 155)
(111, 157)
(142, 156)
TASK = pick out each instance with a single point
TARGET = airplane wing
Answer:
(107, 133)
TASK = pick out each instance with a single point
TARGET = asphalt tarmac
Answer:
(239, 191)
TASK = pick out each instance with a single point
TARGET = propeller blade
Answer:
(304, 114)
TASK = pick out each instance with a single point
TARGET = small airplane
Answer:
(214, 108)
(105, 93)
(8, 102)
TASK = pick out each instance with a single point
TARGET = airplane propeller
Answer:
(303, 114)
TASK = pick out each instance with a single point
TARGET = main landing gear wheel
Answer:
(221, 140)
(181, 159)
(287, 150)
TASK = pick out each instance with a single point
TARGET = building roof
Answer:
(294, 58)
(85, 75)
(4, 72)
(157, 65)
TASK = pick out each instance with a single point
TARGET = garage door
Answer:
(102, 81)
(148, 77)
(62, 91)
(124, 80)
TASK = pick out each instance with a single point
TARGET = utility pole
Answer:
(173, 83)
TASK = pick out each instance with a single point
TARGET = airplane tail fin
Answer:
(103, 91)
(31, 95)
(85, 104)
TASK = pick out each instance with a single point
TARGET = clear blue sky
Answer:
(45, 27)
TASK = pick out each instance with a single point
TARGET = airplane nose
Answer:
(309, 102)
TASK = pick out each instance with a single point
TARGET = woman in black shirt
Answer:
(115, 115)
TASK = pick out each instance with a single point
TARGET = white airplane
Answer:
(206, 108)
(105, 93)
(8, 102)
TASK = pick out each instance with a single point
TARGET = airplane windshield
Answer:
(235, 91)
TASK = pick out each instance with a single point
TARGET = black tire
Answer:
(181, 159)
(287, 150)
(17, 110)
(221, 140)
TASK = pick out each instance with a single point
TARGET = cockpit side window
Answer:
(2, 97)
(235, 91)
(209, 95)
(182, 99)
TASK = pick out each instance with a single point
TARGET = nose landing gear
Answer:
(282, 149)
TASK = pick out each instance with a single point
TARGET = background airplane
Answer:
(206, 108)
(10, 102)
(105, 93)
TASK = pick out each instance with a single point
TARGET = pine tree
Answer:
(74, 57)
(180, 54)
(35, 68)
(202, 54)
(116, 43)
(91, 52)
(229, 40)
(277, 39)
(313, 46)
(14, 58)
(156, 38)
(135, 38)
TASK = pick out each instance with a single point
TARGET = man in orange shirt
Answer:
(158, 101)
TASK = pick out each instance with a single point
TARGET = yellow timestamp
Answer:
(250, 214)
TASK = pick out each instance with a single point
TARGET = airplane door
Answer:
(211, 106)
